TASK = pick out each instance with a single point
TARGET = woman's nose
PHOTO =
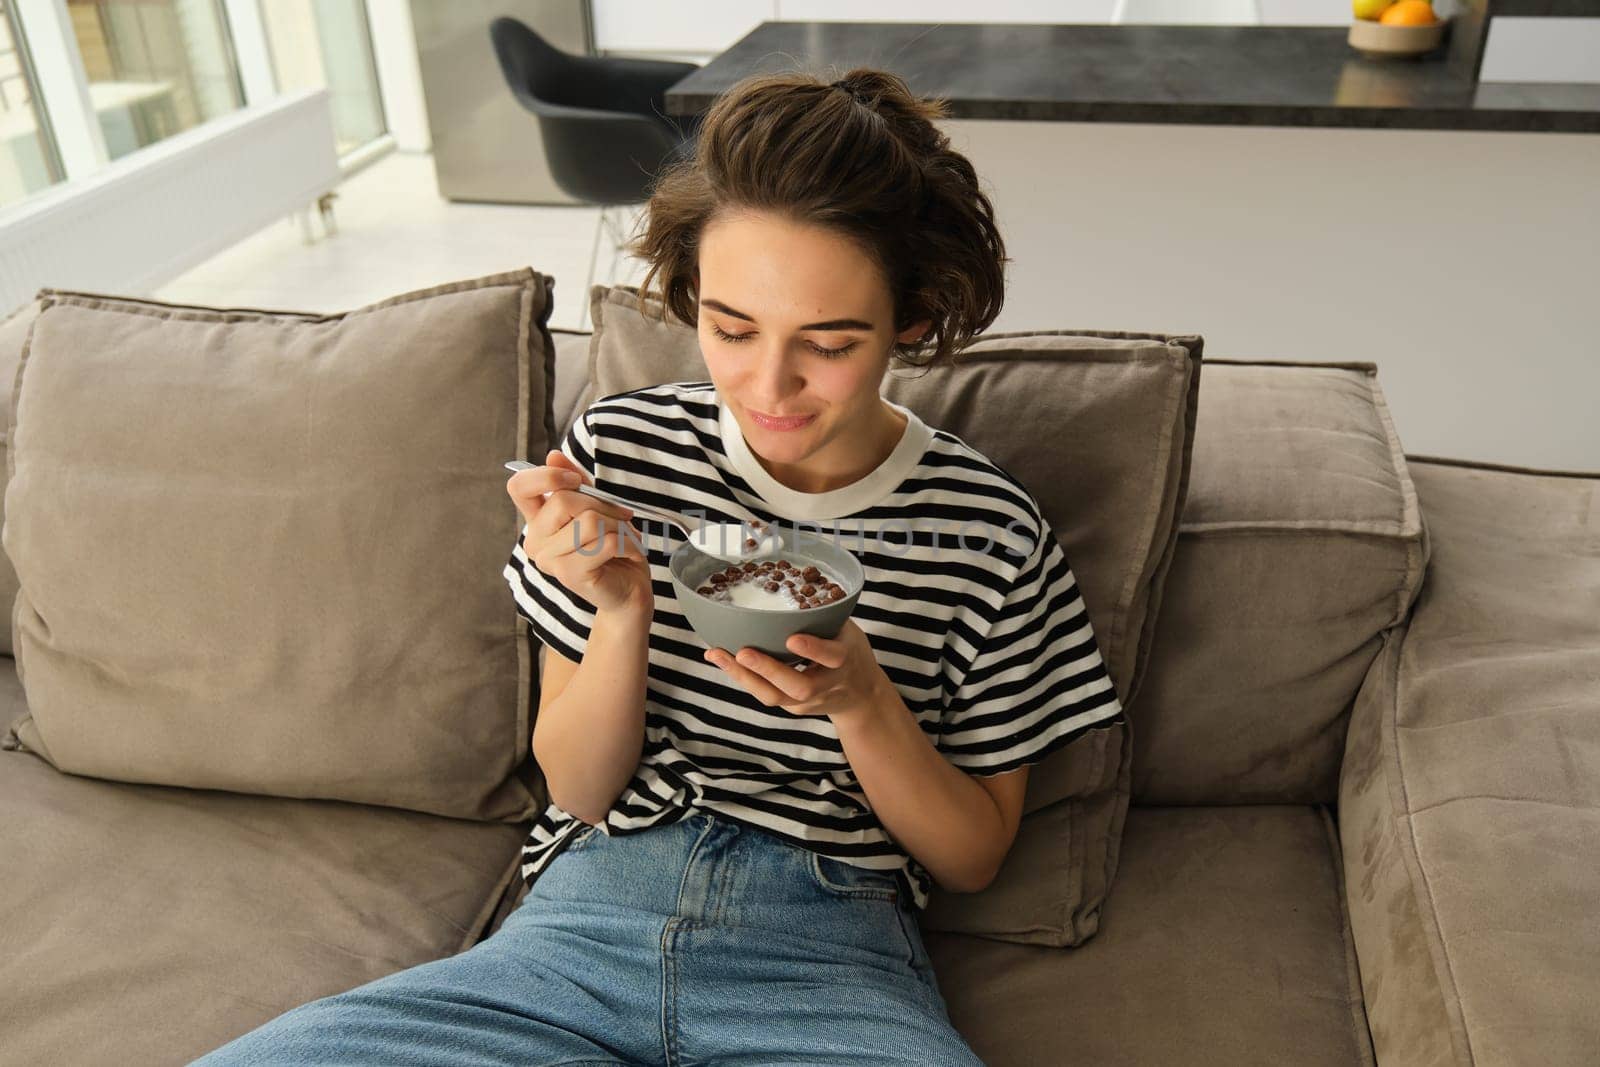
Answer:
(775, 376)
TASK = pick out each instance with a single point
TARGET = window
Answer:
(155, 67)
(28, 160)
(326, 44)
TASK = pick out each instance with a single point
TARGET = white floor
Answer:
(394, 234)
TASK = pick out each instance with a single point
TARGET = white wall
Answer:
(1462, 264)
(1518, 49)
(646, 27)
(1542, 50)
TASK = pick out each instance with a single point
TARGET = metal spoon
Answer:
(691, 529)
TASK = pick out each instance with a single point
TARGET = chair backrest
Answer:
(536, 70)
(597, 149)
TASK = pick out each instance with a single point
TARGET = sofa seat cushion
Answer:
(149, 924)
(1300, 543)
(1471, 785)
(1225, 942)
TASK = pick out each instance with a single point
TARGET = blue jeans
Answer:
(703, 942)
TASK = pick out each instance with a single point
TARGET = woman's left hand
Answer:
(843, 676)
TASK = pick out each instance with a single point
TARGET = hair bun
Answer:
(844, 83)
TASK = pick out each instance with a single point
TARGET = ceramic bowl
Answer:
(728, 626)
(1377, 41)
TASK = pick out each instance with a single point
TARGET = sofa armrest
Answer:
(1469, 810)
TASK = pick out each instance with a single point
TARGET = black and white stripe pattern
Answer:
(970, 605)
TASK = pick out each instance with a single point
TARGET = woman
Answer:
(736, 849)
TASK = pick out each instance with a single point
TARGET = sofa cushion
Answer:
(571, 379)
(260, 551)
(1225, 943)
(13, 332)
(1098, 427)
(150, 924)
(1301, 541)
(1470, 814)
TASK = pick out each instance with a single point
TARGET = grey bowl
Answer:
(731, 627)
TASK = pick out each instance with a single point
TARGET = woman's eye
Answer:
(728, 336)
(831, 353)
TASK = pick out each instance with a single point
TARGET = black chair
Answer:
(604, 123)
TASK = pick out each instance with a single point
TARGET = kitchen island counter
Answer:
(1206, 75)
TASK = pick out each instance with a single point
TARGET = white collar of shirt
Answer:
(859, 495)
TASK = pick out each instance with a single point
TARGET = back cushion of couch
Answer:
(261, 551)
(13, 332)
(1301, 541)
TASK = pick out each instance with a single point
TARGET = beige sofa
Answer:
(1363, 821)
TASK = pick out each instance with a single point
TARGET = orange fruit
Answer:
(1408, 13)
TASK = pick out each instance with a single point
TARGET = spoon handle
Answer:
(682, 522)
(660, 514)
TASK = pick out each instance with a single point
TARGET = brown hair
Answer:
(860, 157)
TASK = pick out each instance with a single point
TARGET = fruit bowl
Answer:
(723, 625)
(1375, 40)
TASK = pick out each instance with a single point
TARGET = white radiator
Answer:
(157, 212)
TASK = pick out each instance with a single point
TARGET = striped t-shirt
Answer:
(969, 605)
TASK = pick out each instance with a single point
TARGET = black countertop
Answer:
(1212, 75)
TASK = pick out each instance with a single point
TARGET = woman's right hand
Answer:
(610, 572)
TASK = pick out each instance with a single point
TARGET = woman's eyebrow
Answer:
(831, 324)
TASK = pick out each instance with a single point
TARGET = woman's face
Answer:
(796, 326)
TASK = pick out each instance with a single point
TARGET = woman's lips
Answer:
(770, 422)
